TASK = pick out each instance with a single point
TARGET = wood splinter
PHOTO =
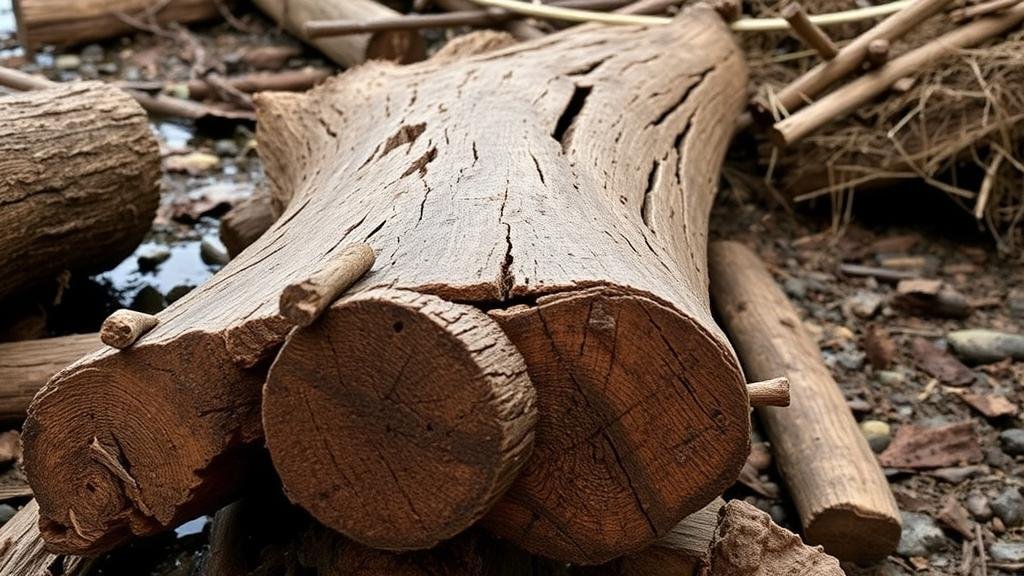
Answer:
(303, 302)
(774, 392)
(122, 328)
(809, 32)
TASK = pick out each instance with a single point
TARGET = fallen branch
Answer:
(808, 32)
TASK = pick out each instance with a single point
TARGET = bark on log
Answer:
(438, 417)
(79, 181)
(402, 46)
(511, 180)
(843, 499)
(26, 366)
(246, 222)
(72, 22)
(23, 552)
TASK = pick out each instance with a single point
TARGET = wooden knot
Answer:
(122, 328)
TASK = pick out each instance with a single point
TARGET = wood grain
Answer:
(22, 550)
(26, 366)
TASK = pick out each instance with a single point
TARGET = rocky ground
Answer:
(894, 347)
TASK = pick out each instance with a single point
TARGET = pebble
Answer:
(851, 359)
(921, 536)
(150, 258)
(148, 300)
(177, 292)
(996, 458)
(213, 253)
(1009, 507)
(977, 504)
(1007, 552)
(93, 53)
(890, 377)
(795, 288)
(194, 163)
(107, 68)
(865, 304)
(877, 433)
(985, 346)
(1012, 441)
(226, 148)
(6, 513)
(67, 62)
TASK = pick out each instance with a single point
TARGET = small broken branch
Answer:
(774, 392)
(878, 52)
(983, 9)
(122, 328)
(809, 32)
(304, 301)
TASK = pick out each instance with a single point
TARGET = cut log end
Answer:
(774, 392)
(648, 433)
(854, 534)
(124, 327)
(399, 419)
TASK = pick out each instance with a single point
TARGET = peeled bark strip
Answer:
(399, 419)
(22, 551)
(396, 45)
(843, 499)
(564, 185)
(71, 22)
(26, 366)
(79, 181)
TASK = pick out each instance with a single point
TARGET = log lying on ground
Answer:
(580, 228)
(22, 550)
(246, 222)
(71, 22)
(79, 181)
(843, 499)
(396, 45)
(26, 366)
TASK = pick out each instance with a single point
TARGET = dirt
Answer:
(912, 229)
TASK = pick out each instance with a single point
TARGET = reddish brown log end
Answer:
(398, 419)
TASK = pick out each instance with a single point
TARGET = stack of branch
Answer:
(921, 95)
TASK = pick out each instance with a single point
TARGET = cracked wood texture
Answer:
(843, 498)
(23, 552)
(79, 181)
(71, 22)
(398, 419)
(562, 184)
(26, 366)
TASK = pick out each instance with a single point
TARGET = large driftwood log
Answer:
(562, 185)
(26, 366)
(397, 45)
(843, 499)
(23, 551)
(79, 181)
(70, 22)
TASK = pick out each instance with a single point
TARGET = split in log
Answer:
(748, 543)
(26, 366)
(246, 222)
(842, 497)
(304, 301)
(397, 45)
(23, 551)
(399, 419)
(581, 228)
(72, 22)
(122, 328)
(79, 181)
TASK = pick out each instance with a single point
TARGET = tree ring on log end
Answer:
(397, 418)
(643, 420)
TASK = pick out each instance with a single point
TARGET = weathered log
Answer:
(23, 551)
(843, 499)
(563, 185)
(71, 22)
(26, 366)
(79, 181)
(438, 417)
(246, 222)
(397, 45)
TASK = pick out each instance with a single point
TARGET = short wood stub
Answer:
(122, 328)
(398, 419)
(304, 301)
(774, 392)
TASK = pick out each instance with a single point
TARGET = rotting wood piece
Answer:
(424, 404)
(71, 22)
(577, 216)
(246, 222)
(843, 499)
(26, 366)
(79, 181)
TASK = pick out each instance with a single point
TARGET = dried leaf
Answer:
(917, 447)
(990, 405)
(940, 364)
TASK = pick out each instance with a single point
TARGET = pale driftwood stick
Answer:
(985, 8)
(862, 90)
(651, 7)
(326, 28)
(26, 366)
(304, 301)
(124, 327)
(840, 492)
(774, 392)
(808, 32)
(22, 550)
(807, 87)
(878, 52)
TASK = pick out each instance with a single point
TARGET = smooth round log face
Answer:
(643, 414)
(398, 419)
